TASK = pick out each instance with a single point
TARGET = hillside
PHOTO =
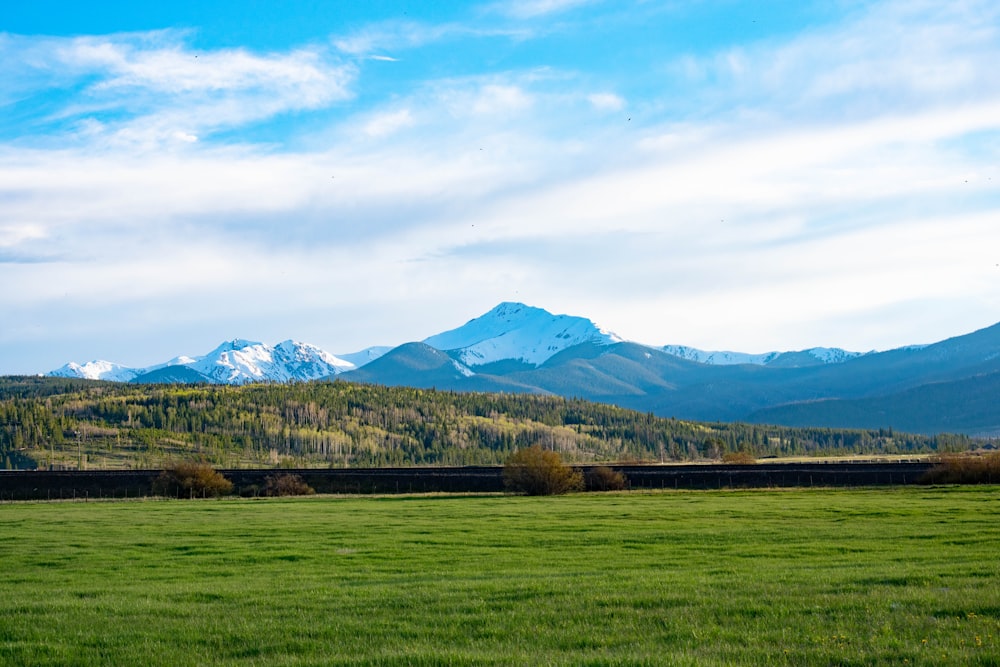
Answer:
(92, 424)
(969, 404)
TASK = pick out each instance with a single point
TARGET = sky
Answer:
(724, 175)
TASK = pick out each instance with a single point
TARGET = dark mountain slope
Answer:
(411, 364)
(172, 375)
(420, 365)
(931, 388)
(968, 405)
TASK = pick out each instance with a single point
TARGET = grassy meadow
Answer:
(804, 577)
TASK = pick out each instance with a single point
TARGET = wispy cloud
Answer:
(896, 55)
(606, 101)
(817, 178)
(525, 9)
(384, 124)
(377, 40)
(148, 88)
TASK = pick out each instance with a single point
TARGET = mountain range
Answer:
(950, 386)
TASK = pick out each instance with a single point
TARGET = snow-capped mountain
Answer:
(948, 386)
(240, 361)
(514, 331)
(236, 361)
(517, 335)
(96, 370)
(812, 357)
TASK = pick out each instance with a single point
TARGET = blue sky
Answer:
(715, 174)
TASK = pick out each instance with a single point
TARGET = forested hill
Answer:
(87, 424)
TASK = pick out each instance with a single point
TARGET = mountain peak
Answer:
(240, 361)
(235, 345)
(235, 361)
(511, 309)
(514, 331)
(96, 370)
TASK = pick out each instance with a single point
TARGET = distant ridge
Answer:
(518, 348)
(815, 356)
(236, 361)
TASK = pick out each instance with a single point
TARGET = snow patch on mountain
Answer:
(519, 332)
(812, 356)
(96, 370)
(464, 370)
(719, 357)
(833, 355)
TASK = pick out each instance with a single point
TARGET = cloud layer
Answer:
(833, 187)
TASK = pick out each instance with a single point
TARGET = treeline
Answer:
(53, 422)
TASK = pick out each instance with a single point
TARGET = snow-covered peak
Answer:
(236, 361)
(518, 332)
(308, 362)
(96, 370)
(234, 345)
(502, 319)
(240, 361)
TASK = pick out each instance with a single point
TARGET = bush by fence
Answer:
(191, 480)
(603, 478)
(965, 469)
(287, 485)
(539, 472)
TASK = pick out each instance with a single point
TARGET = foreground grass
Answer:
(906, 576)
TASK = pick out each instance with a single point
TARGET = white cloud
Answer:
(12, 234)
(527, 9)
(606, 101)
(802, 187)
(895, 55)
(391, 36)
(144, 89)
(170, 67)
(384, 124)
(501, 99)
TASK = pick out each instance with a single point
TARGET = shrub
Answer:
(190, 480)
(286, 484)
(964, 469)
(603, 478)
(741, 458)
(538, 472)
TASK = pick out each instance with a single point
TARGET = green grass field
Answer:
(810, 577)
